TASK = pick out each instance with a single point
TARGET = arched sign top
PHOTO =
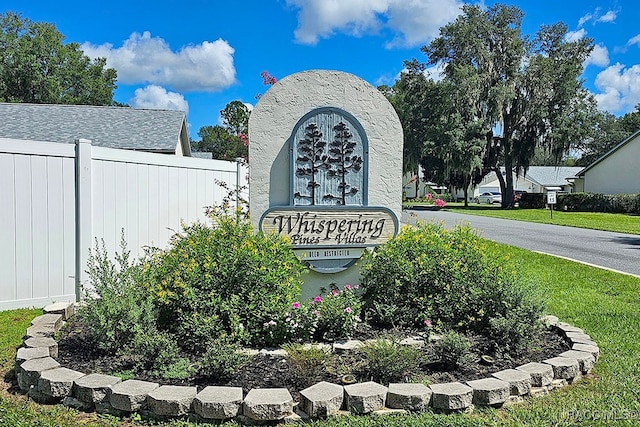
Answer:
(329, 160)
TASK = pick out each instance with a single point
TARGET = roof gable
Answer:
(609, 153)
(113, 127)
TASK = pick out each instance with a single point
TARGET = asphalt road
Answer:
(614, 251)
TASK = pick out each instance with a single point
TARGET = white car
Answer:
(489, 197)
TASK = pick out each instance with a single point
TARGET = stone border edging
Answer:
(44, 380)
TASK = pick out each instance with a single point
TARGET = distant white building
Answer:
(537, 179)
(616, 172)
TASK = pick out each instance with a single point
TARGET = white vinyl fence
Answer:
(56, 199)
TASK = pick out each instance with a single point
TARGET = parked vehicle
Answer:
(489, 197)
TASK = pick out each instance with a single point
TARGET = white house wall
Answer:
(616, 174)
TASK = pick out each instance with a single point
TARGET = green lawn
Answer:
(603, 303)
(620, 223)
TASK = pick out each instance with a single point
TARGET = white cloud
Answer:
(418, 21)
(599, 56)
(597, 17)
(610, 16)
(573, 36)
(156, 97)
(412, 21)
(584, 19)
(634, 40)
(144, 59)
(619, 88)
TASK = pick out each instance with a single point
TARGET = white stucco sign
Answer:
(325, 163)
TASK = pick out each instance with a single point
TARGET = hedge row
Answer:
(586, 202)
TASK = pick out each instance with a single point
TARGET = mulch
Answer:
(77, 351)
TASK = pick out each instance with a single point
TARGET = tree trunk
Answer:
(466, 192)
(507, 194)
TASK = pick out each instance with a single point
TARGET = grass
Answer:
(603, 303)
(619, 223)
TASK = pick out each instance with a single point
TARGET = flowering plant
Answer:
(432, 200)
(338, 312)
(297, 324)
(439, 203)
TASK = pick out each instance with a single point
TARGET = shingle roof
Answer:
(551, 176)
(113, 127)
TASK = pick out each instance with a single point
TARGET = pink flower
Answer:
(318, 298)
(347, 310)
(440, 203)
(296, 304)
(427, 323)
(316, 312)
(334, 292)
(356, 286)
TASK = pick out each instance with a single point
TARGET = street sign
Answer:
(551, 197)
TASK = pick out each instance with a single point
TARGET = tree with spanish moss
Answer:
(523, 92)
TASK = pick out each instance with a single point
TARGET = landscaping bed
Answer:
(269, 369)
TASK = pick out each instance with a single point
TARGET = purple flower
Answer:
(296, 304)
(347, 310)
(317, 299)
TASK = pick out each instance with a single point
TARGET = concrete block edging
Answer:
(448, 397)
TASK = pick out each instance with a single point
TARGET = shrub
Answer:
(450, 277)
(152, 351)
(307, 362)
(117, 309)
(221, 360)
(298, 324)
(338, 312)
(223, 280)
(389, 361)
(594, 202)
(453, 349)
(532, 201)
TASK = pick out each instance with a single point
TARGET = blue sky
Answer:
(198, 55)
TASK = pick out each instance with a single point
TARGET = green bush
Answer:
(389, 361)
(594, 202)
(338, 312)
(453, 349)
(307, 362)
(221, 360)
(298, 324)
(224, 281)
(117, 309)
(532, 201)
(450, 277)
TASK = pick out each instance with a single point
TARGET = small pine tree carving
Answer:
(311, 160)
(342, 162)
